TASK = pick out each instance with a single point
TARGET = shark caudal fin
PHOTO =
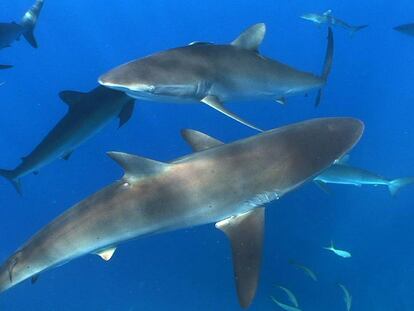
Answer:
(327, 66)
(395, 185)
(29, 21)
(9, 175)
(358, 28)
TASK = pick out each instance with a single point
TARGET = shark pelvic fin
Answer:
(135, 166)
(198, 140)
(251, 38)
(126, 112)
(71, 97)
(245, 233)
(214, 102)
(34, 278)
(106, 254)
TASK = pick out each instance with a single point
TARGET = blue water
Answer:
(191, 269)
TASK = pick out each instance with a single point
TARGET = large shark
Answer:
(225, 184)
(10, 32)
(345, 174)
(328, 18)
(215, 74)
(88, 113)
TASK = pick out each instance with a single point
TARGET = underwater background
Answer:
(372, 79)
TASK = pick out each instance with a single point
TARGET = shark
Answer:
(345, 174)
(224, 184)
(347, 297)
(305, 269)
(291, 296)
(10, 32)
(328, 18)
(284, 306)
(87, 114)
(407, 29)
(213, 74)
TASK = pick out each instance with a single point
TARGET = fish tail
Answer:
(395, 185)
(29, 21)
(10, 176)
(327, 66)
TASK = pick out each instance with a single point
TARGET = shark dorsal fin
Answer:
(327, 13)
(135, 166)
(198, 140)
(251, 38)
(71, 97)
(245, 233)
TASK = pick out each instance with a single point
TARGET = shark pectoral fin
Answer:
(126, 112)
(245, 233)
(327, 66)
(29, 36)
(214, 102)
(107, 254)
(135, 166)
(71, 97)
(323, 186)
(251, 38)
(198, 140)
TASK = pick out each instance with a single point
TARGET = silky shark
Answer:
(407, 29)
(88, 113)
(214, 74)
(225, 184)
(10, 32)
(328, 18)
(344, 174)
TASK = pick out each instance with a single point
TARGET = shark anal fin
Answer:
(126, 112)
(135, 166)
(251, 38)
(214, 102)
(199, 141)
(245, 233)
(106, 254)
(34, 278)
(67, 155)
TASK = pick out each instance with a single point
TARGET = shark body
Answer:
(226, 184)
(329, 19)
(214, 74)
(88, 113)
(10, 32)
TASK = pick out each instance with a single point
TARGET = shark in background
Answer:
(213, 74)
(407, 29)
(10, 32)
(344, 174)
(87, 114)
(225, 184)
(328, 18)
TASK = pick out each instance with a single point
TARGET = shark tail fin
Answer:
(395, 185)
(29, 21)
(9, 175)
(327, 66)
(358, 28)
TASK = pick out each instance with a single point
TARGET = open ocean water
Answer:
(371, 79)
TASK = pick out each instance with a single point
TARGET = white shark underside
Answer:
(215, 74)
(225, 184)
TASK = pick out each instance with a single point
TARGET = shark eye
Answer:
(126, 184)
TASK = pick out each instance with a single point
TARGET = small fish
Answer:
(347, 297)
(329, 19)
(283, 306)
(340, 253)
(291, 296)
(305, 269)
